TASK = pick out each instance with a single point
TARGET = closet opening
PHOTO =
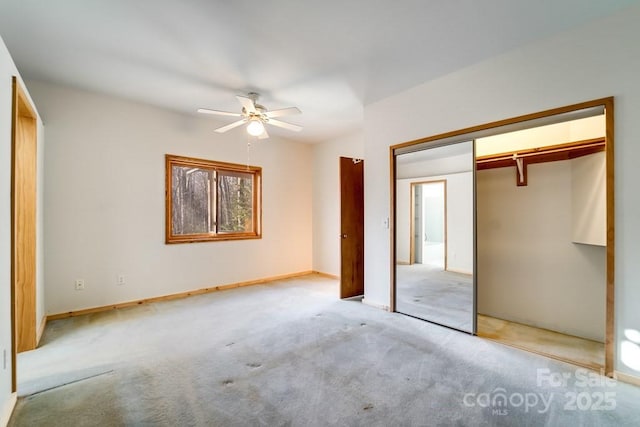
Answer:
(541, 236)
(541, 229)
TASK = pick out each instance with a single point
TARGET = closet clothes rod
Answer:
(550, 153)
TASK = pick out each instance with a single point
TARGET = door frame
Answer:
(23, 320)
(520, 122)
(411, 219)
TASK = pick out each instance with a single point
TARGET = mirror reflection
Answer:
(435, 235)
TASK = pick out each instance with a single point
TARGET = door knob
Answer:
(344, 236)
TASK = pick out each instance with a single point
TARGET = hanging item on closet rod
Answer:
(521, 170)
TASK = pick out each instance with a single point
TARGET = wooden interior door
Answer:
(352, 227)
(23, 222)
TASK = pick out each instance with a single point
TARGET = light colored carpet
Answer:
(429, 293)
(289, 354)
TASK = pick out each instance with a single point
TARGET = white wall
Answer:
(459, 220)
(529, 270)
(598, 60)
(326, 199)
(7, 71)
(105, 202)
(589, 199)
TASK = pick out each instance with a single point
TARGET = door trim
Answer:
(23, 115)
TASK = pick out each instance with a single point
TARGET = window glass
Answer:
(235, 202)
(191, 211)
(209, 200)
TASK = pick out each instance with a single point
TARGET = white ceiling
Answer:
(444, 160)
(329, 58)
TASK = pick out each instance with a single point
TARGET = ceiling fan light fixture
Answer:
(255, 127)
(255, 116)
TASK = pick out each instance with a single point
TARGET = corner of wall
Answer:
(326, 198)
(7, 409)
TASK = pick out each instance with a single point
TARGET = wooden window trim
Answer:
(173, 160)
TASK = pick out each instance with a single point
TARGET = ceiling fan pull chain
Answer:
(248, 151)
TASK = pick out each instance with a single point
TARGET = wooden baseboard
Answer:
(626, 378)
(179, 295)
(43, 323)
(327, 275)
(7, 410)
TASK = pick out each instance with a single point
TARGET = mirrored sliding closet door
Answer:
(434, 232)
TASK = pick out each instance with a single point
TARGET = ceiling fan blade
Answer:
(247, 104)
(223, 129)
(263, 135)
(283, 112)
(284, 125)
(218, 113)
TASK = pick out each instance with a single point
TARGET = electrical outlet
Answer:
(121, 280)
(79, 284)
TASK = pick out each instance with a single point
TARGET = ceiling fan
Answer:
(256, 116)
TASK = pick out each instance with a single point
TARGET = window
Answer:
(208, 200)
